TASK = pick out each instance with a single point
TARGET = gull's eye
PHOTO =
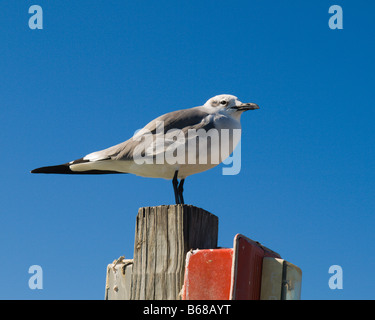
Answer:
(223, 102)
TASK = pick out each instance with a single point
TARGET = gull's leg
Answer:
(181, 190)
(175, 187)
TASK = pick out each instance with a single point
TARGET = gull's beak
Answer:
(247, 106)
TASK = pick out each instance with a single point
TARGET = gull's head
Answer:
(226, 103)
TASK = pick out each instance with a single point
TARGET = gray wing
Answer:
(182, 119)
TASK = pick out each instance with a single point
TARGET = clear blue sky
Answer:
(99, 70)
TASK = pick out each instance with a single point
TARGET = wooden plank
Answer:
(118, 280)
(281, 280)
(272, 279)
(150, 254)
(292, 281)
(161, 255)
(163, 236)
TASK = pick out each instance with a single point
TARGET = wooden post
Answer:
(163, 236)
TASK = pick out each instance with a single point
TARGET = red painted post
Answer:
(226, 274)
(208, 274)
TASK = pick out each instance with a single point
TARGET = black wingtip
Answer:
(63, 169)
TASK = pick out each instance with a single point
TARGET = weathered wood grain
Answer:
(163, 236)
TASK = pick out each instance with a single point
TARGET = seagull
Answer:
(171, 146)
